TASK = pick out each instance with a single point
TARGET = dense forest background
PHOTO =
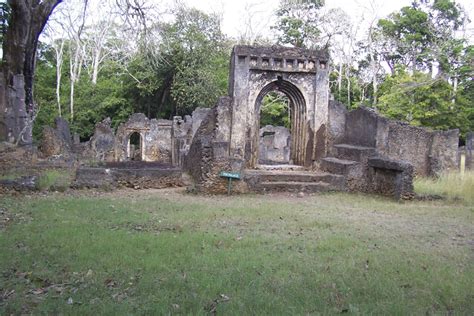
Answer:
(415, 65)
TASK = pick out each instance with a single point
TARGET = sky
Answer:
(236, 12)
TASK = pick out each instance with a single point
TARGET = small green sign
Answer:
(229, 176)
(232, 175)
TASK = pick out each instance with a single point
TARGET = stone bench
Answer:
(391, 177)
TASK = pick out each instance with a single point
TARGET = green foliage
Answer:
(409, 33)
(191, 63)
(92, 102)
(185, 68)
(104, 99)
(424, 101)
(351, 92)
(182, 64)
(275, 110)
(5, 12)
(421, 34)
(54, 180)
(297, 22)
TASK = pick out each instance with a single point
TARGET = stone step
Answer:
(293, 176)
(292, 186)
(338, 166)
(288, 167)
(353, 152)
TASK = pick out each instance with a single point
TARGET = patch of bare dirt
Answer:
(6, 218)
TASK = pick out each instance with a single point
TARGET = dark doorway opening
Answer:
(135, 147)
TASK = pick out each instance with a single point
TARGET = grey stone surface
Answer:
(430, 152)
(274, 148)
(155, 139)
(62, 126)
(300, 74)
(137, 178)
(53, 144)
(101, 146)
(469, 162)
(209, 152)
(336, 124)
(391, 177)
(361, 127)
(26, 183)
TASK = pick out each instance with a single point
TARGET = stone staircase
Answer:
(277, 180)
(349, 161)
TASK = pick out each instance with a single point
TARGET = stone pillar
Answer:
(3, 110)
(321, 113)
(239, 81)
(470, 151)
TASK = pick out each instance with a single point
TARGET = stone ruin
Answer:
(329, 148)
(326, 147)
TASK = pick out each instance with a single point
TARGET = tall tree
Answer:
(298, 22)
(25, 23)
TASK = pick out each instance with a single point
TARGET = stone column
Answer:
(470, 151)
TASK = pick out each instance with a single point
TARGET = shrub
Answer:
(54, 180)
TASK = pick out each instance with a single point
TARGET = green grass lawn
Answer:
(166, 252)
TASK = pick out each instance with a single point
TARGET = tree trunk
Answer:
(59, 66)
(17, 108)
(339, 81)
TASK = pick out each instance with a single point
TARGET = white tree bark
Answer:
(76, 50)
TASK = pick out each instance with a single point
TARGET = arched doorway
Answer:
(297, 119)
(134, 148)
(275, 126)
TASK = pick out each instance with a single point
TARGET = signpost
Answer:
(230, 176)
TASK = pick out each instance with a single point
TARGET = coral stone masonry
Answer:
(324, 147)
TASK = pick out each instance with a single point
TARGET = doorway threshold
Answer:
(279, 167)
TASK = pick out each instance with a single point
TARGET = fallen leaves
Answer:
(6, 295)
(211, 307)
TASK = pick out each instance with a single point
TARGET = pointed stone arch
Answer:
(297, 117)
(302, 75)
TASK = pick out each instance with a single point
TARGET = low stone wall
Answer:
(145, 178)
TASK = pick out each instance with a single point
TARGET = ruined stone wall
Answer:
(336, 124)
(209, 152)
(101, 146)
(56, 141)
(155, 138)
(404, 142)
(361, 127)
(390, 178)
(444, 153)
(430, 152)
(183, 132)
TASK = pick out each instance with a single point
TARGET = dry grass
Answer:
(163, 252)
(454, 186)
